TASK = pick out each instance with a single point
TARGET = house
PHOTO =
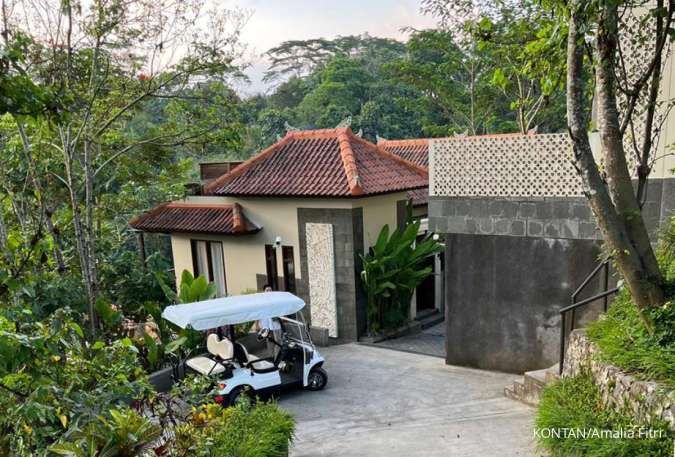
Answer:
(297, 216)
(415, 151)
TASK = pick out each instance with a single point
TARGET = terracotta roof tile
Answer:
(419, 197)
(321, 163)
(415, 151)
(185, 217)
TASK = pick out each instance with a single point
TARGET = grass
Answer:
(622, 336)
(624, 341)
(575, 404)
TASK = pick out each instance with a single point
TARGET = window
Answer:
(271, 266)
(208, 261)
(289, 268)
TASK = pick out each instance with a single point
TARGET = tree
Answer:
(454, 84)
(617, 207)
(510, 45)
(301, 57)
(104, 64)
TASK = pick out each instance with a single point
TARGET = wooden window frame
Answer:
(287, 257)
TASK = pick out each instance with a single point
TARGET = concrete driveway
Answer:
(381, 402)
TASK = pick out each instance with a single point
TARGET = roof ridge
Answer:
(405, 141)
(315, 133)
(189, 204)
(344, 136)
(413, 166)
(242, 167)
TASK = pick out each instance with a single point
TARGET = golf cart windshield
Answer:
(295, 328)
(208, 314)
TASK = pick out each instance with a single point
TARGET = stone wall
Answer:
(512, 263)
(348, 243)
(503, 296)
(646, 399)
(543, 217)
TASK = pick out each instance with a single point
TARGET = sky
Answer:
(275, 21)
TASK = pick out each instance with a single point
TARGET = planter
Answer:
(409, 328)
(162, 380)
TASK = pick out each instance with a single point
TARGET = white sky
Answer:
(275, 21)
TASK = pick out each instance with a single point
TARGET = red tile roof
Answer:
(321, 163)
(185, 217)
(419, 197)
(415, 151)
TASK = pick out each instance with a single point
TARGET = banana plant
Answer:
(392, 270)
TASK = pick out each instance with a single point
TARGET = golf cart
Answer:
(236, 368)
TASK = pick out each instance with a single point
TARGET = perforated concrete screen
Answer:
(503, 166)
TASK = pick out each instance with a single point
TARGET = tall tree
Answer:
(104, 62)
(617, 207)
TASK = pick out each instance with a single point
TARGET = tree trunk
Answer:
(46, 209)
(632, 260)
(80, 235)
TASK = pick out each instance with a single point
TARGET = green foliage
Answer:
(195, 289)
(576, 403)
(244, 430)
(624, 341)
(130, 284)
(621, 334)
(55, 383)
(392, 271)
(121, 433)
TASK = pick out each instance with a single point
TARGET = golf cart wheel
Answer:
(317, 379)
(238, 395)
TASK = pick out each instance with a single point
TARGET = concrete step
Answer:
(529, 389)
(429, 318)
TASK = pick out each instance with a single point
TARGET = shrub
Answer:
(623, 340)
(576, 403)
(392, 271)
(53, 382)
(244, 430)
(622, 337)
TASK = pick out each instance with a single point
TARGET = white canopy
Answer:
(208, 314)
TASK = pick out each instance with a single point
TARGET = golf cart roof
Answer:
(208, 314)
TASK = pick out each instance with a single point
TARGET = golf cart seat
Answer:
(254, 362)
(221, 351)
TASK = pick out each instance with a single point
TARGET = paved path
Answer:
(430, 341)
(380, 402)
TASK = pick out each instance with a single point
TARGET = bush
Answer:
(624, 342)
(622, 337)
(576, 403)
(244, 430)
(53, 382)
(391, 272)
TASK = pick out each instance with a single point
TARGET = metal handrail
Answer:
(577, 304)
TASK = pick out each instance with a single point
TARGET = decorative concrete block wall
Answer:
(520, 237)
(321, 269)
(646, 399)
(503, 166)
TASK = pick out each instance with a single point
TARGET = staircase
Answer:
(429, 318)
(530, 388)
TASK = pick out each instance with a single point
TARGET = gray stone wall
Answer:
(503, 296)
(512, 263)
(545, 217)
(348, 238)
(646, 399)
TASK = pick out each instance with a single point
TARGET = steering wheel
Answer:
(263, 334)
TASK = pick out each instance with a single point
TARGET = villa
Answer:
(297, 216)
